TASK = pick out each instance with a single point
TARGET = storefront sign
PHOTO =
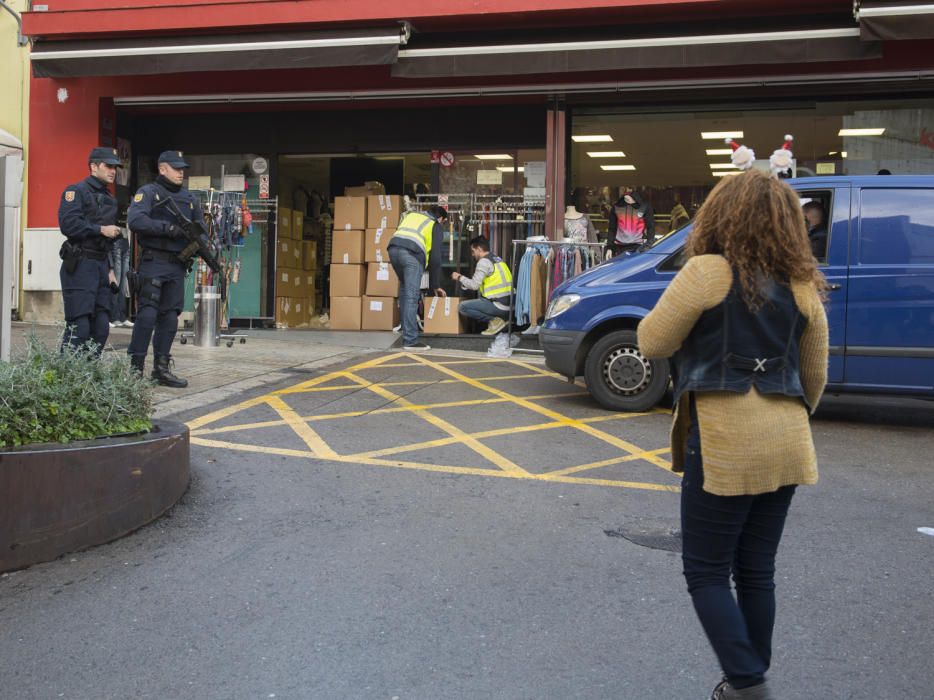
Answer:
(199, 182)
(535, 173)
(234, 183)
(489, 177)
(435, 157)
(264, 186)
(260, 165)
(447, 159)
(826, 168)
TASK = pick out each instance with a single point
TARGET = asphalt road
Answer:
(284, 575)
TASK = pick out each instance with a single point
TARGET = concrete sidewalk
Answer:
(214, 374)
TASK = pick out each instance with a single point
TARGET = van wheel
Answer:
(620, 378)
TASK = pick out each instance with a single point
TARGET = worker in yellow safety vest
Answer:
(414, 247)
(493, 280)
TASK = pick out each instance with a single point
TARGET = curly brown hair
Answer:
(756, 223)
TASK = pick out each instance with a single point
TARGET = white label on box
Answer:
(376, 306)
(379, 234)
(382, 274)
(382, 201)
(347, 227)
(285, 276)
(384, 222)
(432, 307)
(447, 306)
(346, 258)
(389, 203)
(298, 308)
(379, 255)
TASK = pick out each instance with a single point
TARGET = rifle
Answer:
(198, 242)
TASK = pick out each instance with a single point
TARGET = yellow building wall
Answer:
(14, 96)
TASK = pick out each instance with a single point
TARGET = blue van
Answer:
(878, 258)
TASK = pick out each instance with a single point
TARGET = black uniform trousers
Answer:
(87, 297)
(161, 298)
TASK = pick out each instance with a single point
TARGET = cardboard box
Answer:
(441, 315)
(284, 256)
(348, 280)
(284, 226)
(295, 255)
(376, 244)
(347, 248)
(299, 310)
(309, 255)
(381, 280)
(346, 313)
(367, 188)
(349, 213)
(298, 225)
(285, 281)
(379, 314)
(283, 311)
(383, 211)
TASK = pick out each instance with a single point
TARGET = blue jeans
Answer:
(409, 270)
(738, 535)
(482, 309)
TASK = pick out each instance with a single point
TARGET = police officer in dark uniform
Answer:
(161, 275)
(87, 216)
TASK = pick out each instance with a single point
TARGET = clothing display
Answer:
(545, 265)
(580, 229)
(631, 222)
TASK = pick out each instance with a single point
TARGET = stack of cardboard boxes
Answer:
(364, 287)
(295, 271)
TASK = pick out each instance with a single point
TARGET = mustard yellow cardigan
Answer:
(750, 443)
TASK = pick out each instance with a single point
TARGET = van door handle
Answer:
(29, 268)
(834, 287)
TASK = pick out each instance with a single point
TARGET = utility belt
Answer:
(159, 254)
(71, 254)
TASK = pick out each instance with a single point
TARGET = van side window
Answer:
(817, 207)
(896, 226)
(674, 262)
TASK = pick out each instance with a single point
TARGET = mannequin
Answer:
(578, 227)
(632, 223)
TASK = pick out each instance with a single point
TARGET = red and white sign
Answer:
(435, 157)
(447, 159)
(264, 186)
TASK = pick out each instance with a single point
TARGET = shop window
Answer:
(896, 227)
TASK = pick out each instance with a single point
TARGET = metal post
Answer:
(206, 300)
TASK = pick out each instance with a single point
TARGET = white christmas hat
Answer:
(780, 161)
(743, 156)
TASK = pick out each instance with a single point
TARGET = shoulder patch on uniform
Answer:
(70, 196)
(138, 197)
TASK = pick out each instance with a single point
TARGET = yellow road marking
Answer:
(473, 471)
(420, 382)
(318, 446)
(451, 429)
(379, 411)
(609, 462)
(554, 415)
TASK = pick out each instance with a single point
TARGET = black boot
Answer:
(137, 362)
(164, 376)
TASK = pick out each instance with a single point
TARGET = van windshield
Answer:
(669, 235)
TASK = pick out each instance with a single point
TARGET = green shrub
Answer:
(52, 396)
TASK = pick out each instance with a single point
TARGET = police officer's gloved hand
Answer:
(174, 231)
(114, 288)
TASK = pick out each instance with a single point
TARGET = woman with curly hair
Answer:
(745, 325)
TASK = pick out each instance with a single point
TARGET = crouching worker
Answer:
(493, 280)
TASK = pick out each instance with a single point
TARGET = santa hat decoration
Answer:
(780, 161)
(743, 156)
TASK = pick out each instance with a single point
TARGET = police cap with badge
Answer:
(174, 159)
(103, 154)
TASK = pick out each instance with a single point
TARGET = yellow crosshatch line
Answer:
(502, 466)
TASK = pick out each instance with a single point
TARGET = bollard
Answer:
(206, 330)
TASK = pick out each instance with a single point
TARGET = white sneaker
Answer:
(127, 324)
(113, 325)
(496, 325)
(396, 329)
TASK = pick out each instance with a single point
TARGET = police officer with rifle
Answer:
(87, 216)
(168, 223)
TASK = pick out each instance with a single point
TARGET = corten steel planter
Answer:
(56, 499)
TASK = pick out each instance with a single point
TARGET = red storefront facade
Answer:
(316, 77)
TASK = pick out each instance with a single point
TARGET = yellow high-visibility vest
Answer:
(416, 226)
(498, 284)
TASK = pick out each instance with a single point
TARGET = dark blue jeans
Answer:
(738, 535)
(409, 269)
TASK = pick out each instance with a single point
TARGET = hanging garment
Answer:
(538, 285)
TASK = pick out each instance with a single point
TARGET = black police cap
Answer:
(103, 154)
(173, 158)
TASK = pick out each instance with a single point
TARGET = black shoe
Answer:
(138, 362)
(164, 376)
(416, 346)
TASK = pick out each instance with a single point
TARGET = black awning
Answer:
(62, 59)
(637, 54)
(891, 21)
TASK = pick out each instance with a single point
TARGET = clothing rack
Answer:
(554, 245)
(503, 218)
(459, 228)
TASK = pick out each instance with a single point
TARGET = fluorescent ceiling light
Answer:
(722, 166)
(595, 138)
(719, 151)
(843, 154)
(494, 156)
(508, 169)
(832, 153)
(896, 11)
(723, 173)
(606, 154)
(617, 167)
(721, 135)
(861, 132)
